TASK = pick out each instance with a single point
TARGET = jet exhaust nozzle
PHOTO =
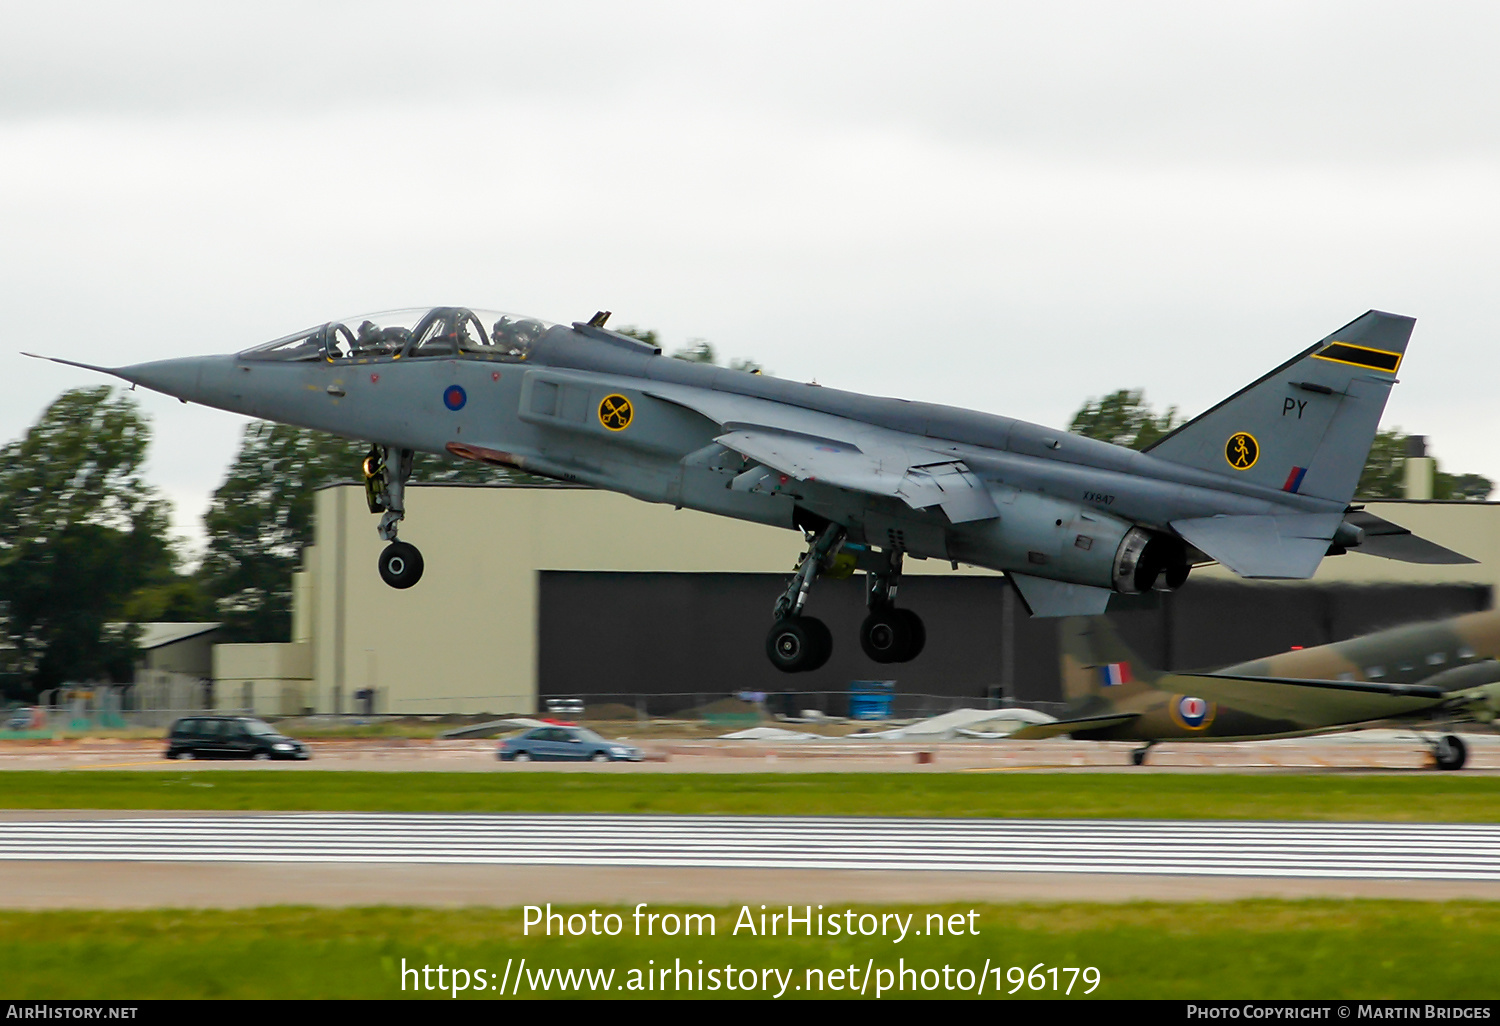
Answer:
(1147, 561)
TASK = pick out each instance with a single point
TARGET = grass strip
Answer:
(1263, 949)
(1325, 797)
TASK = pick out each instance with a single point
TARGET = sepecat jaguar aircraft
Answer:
(1260, 483)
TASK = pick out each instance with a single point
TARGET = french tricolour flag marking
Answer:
(1112, 674)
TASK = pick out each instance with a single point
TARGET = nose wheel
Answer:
(401, 565)
(386, 473)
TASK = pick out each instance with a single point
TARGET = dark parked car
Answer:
(230, 737)
(20, 719)
(565, 743)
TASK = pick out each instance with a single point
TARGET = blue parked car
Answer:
(574, 744)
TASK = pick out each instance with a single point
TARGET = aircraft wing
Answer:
(1039, 731)
(811, 446)
(1392, 541)
(917, 477)
(1315, 703)
(811, 458)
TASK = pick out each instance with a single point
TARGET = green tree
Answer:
(1384, 476)
(697, 350)
(1123, 418)
(645, 335)
(1470, 487)
(261, 517)
(81, 534)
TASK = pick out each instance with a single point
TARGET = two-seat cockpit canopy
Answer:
(454, 332)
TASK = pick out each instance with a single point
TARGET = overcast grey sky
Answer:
(1010, 207)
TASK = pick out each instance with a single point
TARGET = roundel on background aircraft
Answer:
(1192, 713)
(454, 397)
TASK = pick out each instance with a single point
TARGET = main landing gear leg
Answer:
(889, 634)
(385, 492)
(1138, 756)
(797, 643)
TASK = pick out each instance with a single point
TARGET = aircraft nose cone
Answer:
(199, 379)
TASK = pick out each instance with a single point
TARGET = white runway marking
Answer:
(1440, 851)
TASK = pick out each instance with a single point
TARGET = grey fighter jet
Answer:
(1260, 483)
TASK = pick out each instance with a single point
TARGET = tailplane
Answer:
(1306, 427)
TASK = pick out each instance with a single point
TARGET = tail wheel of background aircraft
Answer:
(799, 644)
(1450, 752)
(400, 565)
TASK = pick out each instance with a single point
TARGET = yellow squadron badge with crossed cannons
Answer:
(615, 412)
(1242, 450)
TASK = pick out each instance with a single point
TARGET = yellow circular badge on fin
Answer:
(1242, 450)
(615, 412)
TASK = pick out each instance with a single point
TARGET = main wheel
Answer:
(1138, 757)
(799, 644)
(400, 565)
(1450, 752)
(886, 634)
(918, 634)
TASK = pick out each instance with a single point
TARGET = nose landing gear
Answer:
(400, 563)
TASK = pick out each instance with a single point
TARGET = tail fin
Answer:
(1306, 427)
(1096, 663)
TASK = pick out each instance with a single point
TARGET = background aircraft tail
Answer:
(1306, 427)
(1096, 663)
